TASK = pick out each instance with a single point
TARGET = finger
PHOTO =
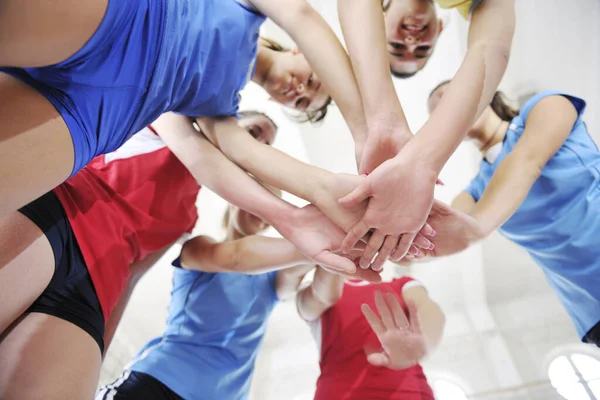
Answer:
(373, 320)
(422, 242)
(352, 238)
(379, 360)
(404, 245)
(397, 256)
(372, 248)
(357, 196)
(335, 262)
(427, 230)
(384, 311)
(413, 313)
(439, 182)
(385, 252)
(367, 275)
(397, 311)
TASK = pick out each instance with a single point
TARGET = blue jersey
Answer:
(147, 58)
(215, 326)
(208, 55)
(559, 221)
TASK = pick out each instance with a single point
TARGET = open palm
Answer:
(402, 342)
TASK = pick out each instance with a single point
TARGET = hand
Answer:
(318, 239)
(400, 194)
(368, 275)
(384, 142)
(403, 344)
(330, 190)
(455, 231)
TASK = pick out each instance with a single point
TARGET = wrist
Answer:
(282, 217)
(486, 225)
(319, 191)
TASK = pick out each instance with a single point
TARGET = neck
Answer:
(264, 62)
(494, 132)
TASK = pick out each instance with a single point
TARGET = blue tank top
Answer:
(207, 56)
(559, 221)
(215, 326)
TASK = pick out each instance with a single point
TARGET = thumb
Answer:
(335, 262)
(361, 193)
(379, 359)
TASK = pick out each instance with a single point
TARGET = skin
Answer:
(289, 79)
(412, 30)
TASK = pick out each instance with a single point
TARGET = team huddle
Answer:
(115, 118)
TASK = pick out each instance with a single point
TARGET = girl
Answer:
(217, 317)
(394, 347)
(400, 192)
(65, 257)
(538, 185)
(80, 88)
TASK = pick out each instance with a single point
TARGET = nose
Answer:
(300, 89)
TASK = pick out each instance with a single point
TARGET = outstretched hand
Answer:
(402, 342)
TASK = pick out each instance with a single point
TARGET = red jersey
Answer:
(345, 372)
(125, 205)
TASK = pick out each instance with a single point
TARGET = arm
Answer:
(307, 228)
(463, 203)
(138, 269)
(249, 255)
(547, 128)
(387, 128)
(325, 54)
(315, 185)
(490, 37)
(430, 315)
(287, 281)
(324, 291)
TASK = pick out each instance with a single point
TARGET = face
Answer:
(292, 82)
(260, 128)
(245, 223)
(412, 29)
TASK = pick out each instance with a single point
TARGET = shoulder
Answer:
(545, 98)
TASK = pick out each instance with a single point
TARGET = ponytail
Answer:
(502, 108)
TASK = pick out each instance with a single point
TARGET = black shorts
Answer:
(137, 385)
(593, 335)
(70, 295)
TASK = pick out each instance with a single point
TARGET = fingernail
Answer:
(419, 252)
(433, 232)
(431, 246)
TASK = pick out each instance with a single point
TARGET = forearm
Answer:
(213, 170)
(473, 87)
(249, 255)
(289, 174)
(325, 290)
(506, 191)
(368, 54)
(432, 322)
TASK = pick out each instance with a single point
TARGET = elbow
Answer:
(495, 51)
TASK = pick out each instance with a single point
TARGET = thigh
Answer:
(41, 32)
(36, 149)
(44, 357)
(26, 266)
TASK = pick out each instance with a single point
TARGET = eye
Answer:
(310, 80)
(397, 46)
(252, 131)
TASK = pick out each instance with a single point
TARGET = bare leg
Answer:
(26, 266)
(44, 357)
(36, 150)
(40, 32)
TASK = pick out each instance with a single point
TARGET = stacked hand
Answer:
(402, 342)
(400, 196)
